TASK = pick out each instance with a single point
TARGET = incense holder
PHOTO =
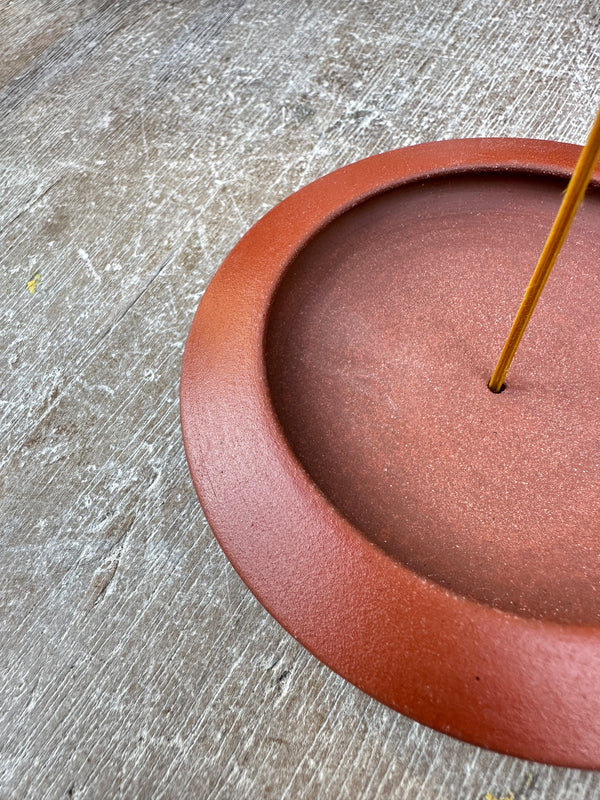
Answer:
(434, 543)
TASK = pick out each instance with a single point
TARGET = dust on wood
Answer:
(139, 141)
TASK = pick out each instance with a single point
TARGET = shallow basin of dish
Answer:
(383, 335)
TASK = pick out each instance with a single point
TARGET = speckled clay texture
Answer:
(383, 336)
(430, 541)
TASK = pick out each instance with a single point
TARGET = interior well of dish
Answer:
(380, 341)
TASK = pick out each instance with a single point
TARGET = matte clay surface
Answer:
(354, 313)
(382, 339)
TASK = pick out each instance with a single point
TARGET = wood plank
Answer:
(138, 141)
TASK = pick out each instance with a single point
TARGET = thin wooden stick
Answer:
(573, 196)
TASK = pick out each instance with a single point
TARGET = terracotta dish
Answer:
(434, 543)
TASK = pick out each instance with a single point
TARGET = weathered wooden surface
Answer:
(138, 141)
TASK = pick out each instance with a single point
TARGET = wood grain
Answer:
(138, 141)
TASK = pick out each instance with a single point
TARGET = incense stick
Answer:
(573, 197)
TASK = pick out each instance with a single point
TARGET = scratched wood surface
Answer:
(138, 141)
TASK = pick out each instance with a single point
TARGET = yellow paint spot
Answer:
(33, 283)
(509, 796)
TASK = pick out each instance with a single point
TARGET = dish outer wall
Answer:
(525, 687)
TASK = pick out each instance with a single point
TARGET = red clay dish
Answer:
(435, 544)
